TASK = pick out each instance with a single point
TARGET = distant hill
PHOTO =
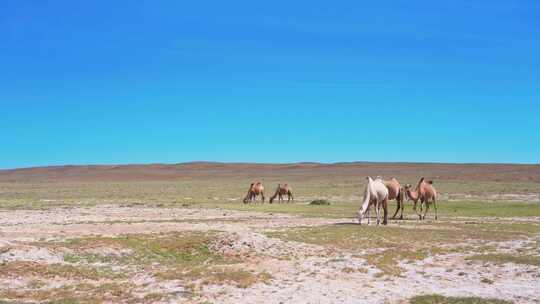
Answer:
(151, 172)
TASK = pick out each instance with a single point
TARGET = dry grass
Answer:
(172, 256)
(501, 258)
(217, 183)
(17, 269)
(75, 293)
(186, 256)
(438, 299)
(410, 242)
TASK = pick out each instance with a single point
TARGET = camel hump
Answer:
(430, 182)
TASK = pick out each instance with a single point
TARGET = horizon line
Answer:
(268, 163)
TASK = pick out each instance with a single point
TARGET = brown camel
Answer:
(427, 194)
(411, 195)
(254, 190)
(280, 191)
(395, 192)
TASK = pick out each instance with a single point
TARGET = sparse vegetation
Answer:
(501, 258)
(412, 242)
(438, 299)
(128, 267)
(169, 256)
(320, 202)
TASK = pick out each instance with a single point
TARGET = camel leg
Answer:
(385, 210)
(415, 208)
(369, 215)
(402, 208)
(402, 202)
(427, 208)
(262, 195)
(397, 209)
(378, 211)
(435, 206)
(292, 197)
(401, 198)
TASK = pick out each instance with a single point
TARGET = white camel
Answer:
(376, 194)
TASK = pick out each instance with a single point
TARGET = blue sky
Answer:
(97, 82)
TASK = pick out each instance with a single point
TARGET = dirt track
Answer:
(301, 273)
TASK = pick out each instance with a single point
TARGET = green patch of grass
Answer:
(38, 270)
(209, 190)
(155, 297)
(71, 258)
(143, 249)
(507, 258)
(240, 278)
(336, 210)
(76, 293)
(388, 260)
(348, 209)
(214, 274)
(488, 209)
(438, 299)
(320, 202)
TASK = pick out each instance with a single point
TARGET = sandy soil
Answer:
(301, 273)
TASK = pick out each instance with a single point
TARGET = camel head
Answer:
(420, 182)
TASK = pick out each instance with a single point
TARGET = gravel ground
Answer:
(301, 273)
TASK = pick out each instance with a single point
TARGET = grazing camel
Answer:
(254, 190)
(376, 194)
(395, 192)
(412, 195)
(427, 194)
(280, 191)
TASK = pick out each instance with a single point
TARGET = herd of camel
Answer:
(377, 193)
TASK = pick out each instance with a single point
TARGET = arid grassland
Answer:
(180, 233)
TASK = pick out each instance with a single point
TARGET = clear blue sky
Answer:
(95, 82)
